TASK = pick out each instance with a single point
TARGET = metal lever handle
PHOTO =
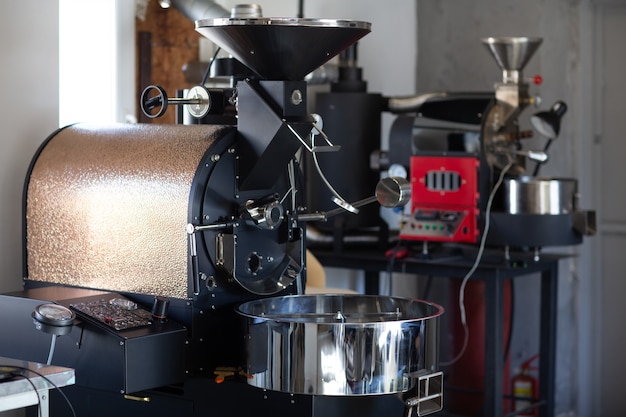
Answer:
(537, 156)
(198, 97)
(390, 192)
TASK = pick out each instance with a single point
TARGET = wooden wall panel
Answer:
(173, 43)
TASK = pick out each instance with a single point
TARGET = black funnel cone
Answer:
(282, 48)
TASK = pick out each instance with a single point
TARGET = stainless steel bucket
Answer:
(340, 344)
(534, 195)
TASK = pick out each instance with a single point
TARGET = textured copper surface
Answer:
(107, 207)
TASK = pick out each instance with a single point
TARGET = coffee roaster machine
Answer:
(465, 155)
(166, 263)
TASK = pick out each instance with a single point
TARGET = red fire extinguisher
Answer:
(525, 389)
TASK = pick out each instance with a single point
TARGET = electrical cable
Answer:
(208, 68)
(34, 389)
(429, 282)
(391, 263)
(509, 337)
(479, 256)
(292, 186)
(323, 177)
(52, 345)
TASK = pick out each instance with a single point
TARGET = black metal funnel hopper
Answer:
(512, 54)
(282, 48)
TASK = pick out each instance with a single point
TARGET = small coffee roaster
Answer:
(181, 251)
(464, 154)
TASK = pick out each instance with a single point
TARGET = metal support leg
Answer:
(494, 334)
(547, 350)
(372, 282)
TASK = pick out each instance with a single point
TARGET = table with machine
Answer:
(494, 270)
(31, 384)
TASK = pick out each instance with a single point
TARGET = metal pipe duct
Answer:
(199, 9)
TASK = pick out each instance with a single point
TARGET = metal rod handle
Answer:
(198, 97)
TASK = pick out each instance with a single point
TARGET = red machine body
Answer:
(444, 199)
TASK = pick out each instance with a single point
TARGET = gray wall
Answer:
(29, 113)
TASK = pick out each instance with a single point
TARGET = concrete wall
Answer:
(451, 57)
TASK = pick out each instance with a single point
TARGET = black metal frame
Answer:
(494, 274)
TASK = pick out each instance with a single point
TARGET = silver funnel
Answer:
(282, 48)
(512, 54)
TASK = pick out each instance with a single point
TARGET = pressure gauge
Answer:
(397, 170)
(123, 303)
(53, 318)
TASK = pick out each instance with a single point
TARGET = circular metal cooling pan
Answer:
(535, 195)
(339, 344)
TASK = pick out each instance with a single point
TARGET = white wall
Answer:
(29, 113)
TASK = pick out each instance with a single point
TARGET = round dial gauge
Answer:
(123, 303)
(397, 170)
(54, 315)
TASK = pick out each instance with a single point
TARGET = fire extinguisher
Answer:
(525, 388)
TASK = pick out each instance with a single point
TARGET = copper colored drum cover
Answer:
(107, 206)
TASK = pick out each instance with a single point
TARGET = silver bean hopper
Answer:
(181, 251)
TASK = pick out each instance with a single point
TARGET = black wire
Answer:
(48, 381)
(208, 68)
(429, 282)
(391, 262)
(509, 337)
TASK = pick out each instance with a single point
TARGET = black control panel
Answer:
(116, 313)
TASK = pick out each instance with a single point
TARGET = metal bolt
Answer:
(296, 97)
(215, 157)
